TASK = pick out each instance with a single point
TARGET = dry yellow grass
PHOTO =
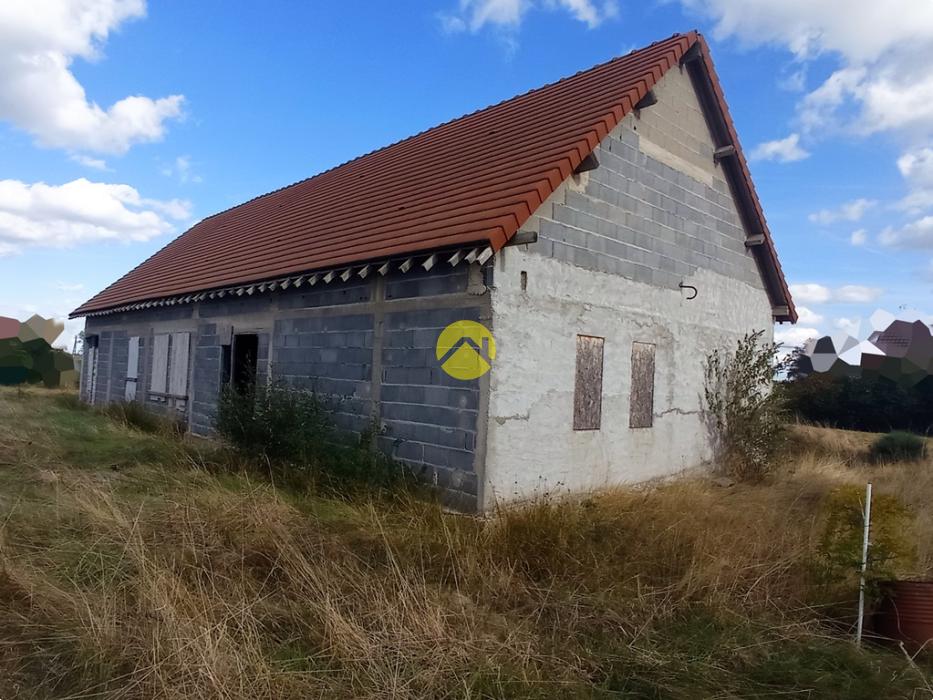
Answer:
(830, 457)
(167, 581)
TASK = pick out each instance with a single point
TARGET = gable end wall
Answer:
(614, 244)
(658, 207)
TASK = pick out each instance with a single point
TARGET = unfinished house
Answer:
(603, 228)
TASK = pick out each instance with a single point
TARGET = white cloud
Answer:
(452, 24)
(88, 162)
(864, 100)
(917, 234)
(879, 80)
(812, 293)
(850, 211)
(795, 81)
(852, 326)
(182, 169)
(794, 336)
(916, 166)
(808, 317)
(856, 294)
(880, 48)
(474, 15)
(81, 211)
(786, 150)
(859, 31)
(610, 9)
(859, 237)
(39, 40)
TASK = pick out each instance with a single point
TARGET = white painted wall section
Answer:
(531, 446)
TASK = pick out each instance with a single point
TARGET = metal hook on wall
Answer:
(687, 286)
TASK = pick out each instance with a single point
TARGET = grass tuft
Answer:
(898, 446)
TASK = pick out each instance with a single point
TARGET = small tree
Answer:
(746, 418)
(840, 548)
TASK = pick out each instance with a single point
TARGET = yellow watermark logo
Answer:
(466, 350)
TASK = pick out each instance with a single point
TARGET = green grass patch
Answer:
(52, 430)
(898, 446)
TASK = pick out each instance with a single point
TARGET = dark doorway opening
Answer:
(245, 352)
(226, 364)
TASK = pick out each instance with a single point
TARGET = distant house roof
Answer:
(471, 181)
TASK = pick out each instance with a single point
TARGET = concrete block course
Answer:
(441, 279)
(206, 381)
(429, 418)
(353, 292)
(331, 356)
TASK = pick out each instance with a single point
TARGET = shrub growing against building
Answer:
(746, 418)
(292, 432)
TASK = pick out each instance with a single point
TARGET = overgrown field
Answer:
(137, 564)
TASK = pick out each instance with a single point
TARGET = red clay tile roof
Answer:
(475, 179)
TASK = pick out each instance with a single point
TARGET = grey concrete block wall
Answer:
(119, 354)
(333, 357)
(206, 378)
(102, 392)
(429, 418)
(353, 291)
(114, 333)
(366, 346)
(112, 356)
(145, 363)
(441, 279)
(651, 220)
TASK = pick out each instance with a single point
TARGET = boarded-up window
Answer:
(588, 390)
(159, 373)
(170, 364)
(641, 410)
(178, 372)
(132, 369)
(90, 372)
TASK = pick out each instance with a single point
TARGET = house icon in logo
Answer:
(465, 350)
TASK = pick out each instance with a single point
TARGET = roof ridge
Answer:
(452, 120)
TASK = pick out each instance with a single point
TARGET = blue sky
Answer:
(122, 123)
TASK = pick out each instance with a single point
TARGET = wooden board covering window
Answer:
(641, 410)
(178, 370)
(159, 374)
(588, 389)
(132, 369)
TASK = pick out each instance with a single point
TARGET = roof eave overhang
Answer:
(699, 65)
(477, 253)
